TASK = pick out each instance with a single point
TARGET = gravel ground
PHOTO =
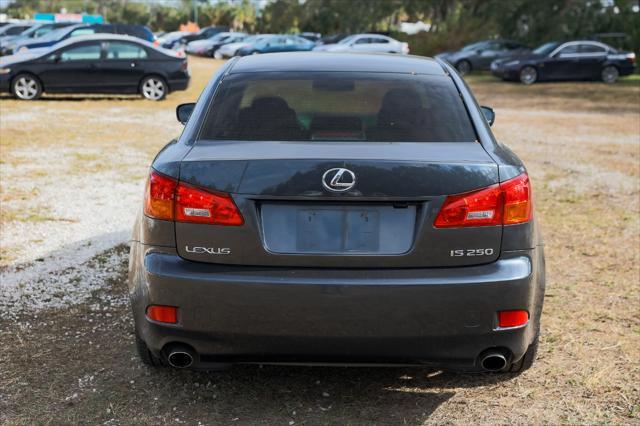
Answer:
(84, 217)
(71, 173)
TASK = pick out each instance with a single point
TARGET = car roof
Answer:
(371, 35)
(591, 42)
(337, 62)
(102, 37)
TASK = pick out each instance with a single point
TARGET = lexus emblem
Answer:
(338, 180)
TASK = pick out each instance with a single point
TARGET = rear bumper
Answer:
(179, 84)
(5, 83)
(440, 317)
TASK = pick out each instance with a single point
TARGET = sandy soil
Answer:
(71, 171)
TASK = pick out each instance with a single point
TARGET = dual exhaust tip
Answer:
(180, 356)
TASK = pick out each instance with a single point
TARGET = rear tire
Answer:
(609, 74)
(154, 88)
(463, 67)
(528, 75)
(145, 354)
(26, 87)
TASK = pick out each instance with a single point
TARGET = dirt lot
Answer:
(71, 178)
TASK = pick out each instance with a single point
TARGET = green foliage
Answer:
(453, 22)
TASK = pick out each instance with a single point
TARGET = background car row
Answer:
(86, 58)
(38, 35)
(242, 44)
(570, 60)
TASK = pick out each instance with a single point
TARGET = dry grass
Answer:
(581, 143)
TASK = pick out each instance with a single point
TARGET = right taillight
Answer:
(506, 203)
(168, 199)
(517, 200)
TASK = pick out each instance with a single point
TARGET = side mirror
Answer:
(183, 112)
(489, 114)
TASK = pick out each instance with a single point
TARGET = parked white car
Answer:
(369, 43)
(230, 50)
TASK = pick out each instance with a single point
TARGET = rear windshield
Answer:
(338, 107)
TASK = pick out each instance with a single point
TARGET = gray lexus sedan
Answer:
(337, 209)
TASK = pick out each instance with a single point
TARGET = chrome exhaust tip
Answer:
(180, 357)
(493, 361)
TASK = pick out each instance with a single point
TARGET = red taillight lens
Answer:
(477, 208)
(196, 205)
(167, 199)
(158, 200)
(506, 203)
(168, 314)
(512, 318)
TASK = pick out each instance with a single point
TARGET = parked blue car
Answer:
(56, 36)
(277, 43)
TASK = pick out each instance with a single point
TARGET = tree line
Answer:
(452, 22)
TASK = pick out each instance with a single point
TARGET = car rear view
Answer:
(337, 209)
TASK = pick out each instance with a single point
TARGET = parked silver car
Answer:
(231, 49)
(369, 43)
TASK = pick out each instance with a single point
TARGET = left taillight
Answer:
(631, 57)
(506, 203)
(159, 197)
(168, 199)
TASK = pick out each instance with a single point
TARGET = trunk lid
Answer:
(385, 220)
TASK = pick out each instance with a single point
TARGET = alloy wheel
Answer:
(528, 75)
(153, 89)
(610, 74)
(463, 67)
(26, 88)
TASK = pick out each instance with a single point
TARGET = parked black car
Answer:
(186, 38)
(478, 56)
(332, 39)
(56, 36)
(209, 46)
(572, 60)
(95, 64)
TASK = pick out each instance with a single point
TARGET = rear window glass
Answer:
(338, 107)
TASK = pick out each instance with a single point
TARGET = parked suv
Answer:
(337, 209)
